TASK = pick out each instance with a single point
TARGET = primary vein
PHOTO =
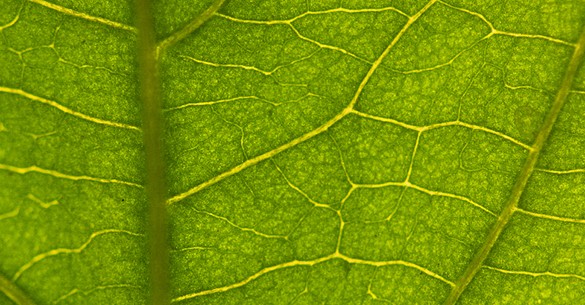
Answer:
(14, 292)
(152, 126)
(525, 174)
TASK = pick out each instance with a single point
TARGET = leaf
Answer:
(315, 152)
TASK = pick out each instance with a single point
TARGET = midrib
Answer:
(149, 53)
(152, 126)
(524, 175)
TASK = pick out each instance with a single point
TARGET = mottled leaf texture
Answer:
(314, 152)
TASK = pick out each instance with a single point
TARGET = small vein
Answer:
(533, 36)
(65, 109)
(77, 14)
(347, 110)
(191, 249)
(10, 214)
(40, 202)
(296, 188)
(327, 46)
(551, 217)
(38, 258)
(444, 124)
(85, 66)
(208, 63)
(310, 263)
(289, 23)
(231, 223)
(395, 262)
(561, 172)
(56, 174)
(536, 274)
(442, 65)
(523, 87)
(340, 232)
(14, 20)
(239, 98)
(308, 13)
(427, 191)
(411, 165)
(220, 101)
(454, 196)
(495, 31)
(252, 68)
(92, 290)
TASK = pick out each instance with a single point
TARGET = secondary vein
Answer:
(525, 174)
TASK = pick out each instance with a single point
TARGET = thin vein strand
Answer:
(85, 16)
(56, 174)
(210, 103)
(208, 63)
(444, 124)
(77, 250)
(251, 230)
(495, 31)
(10, 214)
(551, 217)
(537, 274)
(67, 110)
(75, 291)
(561, 172)
(426, 191)
(309, 13)
(310, 263)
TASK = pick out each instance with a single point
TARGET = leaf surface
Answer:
(316, 152)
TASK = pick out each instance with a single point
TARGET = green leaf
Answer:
(292, 152)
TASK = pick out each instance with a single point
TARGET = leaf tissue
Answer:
(292, 152)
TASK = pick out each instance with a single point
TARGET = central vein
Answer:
(152, 126)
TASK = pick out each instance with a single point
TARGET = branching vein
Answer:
(59, 251)
(310, 263)
(537, 274)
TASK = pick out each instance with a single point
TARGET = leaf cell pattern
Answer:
(317, 152)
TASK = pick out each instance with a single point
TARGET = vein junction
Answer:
(45, 255)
